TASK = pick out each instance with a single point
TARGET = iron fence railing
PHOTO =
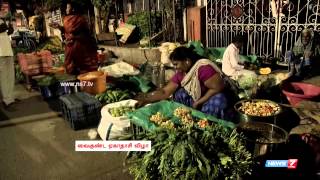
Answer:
(271, 26)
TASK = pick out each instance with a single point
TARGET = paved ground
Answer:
(44, 149)
(41, 146)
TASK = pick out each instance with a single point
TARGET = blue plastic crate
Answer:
(80, 110)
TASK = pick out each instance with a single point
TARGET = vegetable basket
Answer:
(246, 117)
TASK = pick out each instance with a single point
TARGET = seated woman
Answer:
(302, 57)
(196, 84)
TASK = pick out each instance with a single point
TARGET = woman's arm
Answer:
(160, 94)
(215, 85)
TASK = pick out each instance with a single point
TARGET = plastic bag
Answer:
(105, 110)
(109, 130)
(112, 127)
(165, 49)
(120, 69)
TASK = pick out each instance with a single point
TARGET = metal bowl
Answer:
(247, 117)
(262, 138)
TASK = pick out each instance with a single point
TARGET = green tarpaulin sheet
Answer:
(216, 54)
(141, 116)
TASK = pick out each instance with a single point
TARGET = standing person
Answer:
(197, 83)
(80, 48)
(7, 79)
(231, 60)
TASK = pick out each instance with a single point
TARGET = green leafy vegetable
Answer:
(191, 153)
(47, 81)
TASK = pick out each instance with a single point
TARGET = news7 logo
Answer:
(292, 163)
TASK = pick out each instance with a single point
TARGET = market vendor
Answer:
(196, 84)
(80, 48)
(231, 60)
(303, 56)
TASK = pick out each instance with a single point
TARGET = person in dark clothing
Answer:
(81, 48)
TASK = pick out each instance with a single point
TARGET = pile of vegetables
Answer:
(111, 96)
(259, 108)
(247, 82)
(53, 44)
(160, 120)
(191, 153)
(185, 119)
(120, 111)
(47, 81)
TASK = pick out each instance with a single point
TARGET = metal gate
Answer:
(271, 26)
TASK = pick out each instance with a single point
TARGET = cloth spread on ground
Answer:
(191, 84)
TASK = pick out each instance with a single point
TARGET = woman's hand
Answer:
(140, 103)
(141, 100)
(195, 105)
(54, 25)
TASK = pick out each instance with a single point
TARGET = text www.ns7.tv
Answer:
(78, 84)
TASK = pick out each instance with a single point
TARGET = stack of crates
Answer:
(80, 110)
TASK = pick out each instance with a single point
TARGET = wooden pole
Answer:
(150, 24)
(97, 20)
(174, 21)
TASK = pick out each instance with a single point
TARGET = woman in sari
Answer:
(197, 83)
(80, 48)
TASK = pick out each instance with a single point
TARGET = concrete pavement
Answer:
(43, 148)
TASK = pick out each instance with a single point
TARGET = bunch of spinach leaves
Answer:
(191, 153)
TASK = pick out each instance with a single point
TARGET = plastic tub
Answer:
(93, 82)
(296, 92)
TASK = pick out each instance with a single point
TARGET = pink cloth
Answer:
(205, 72)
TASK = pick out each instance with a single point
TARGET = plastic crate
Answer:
(35, 63)
(80, 110)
